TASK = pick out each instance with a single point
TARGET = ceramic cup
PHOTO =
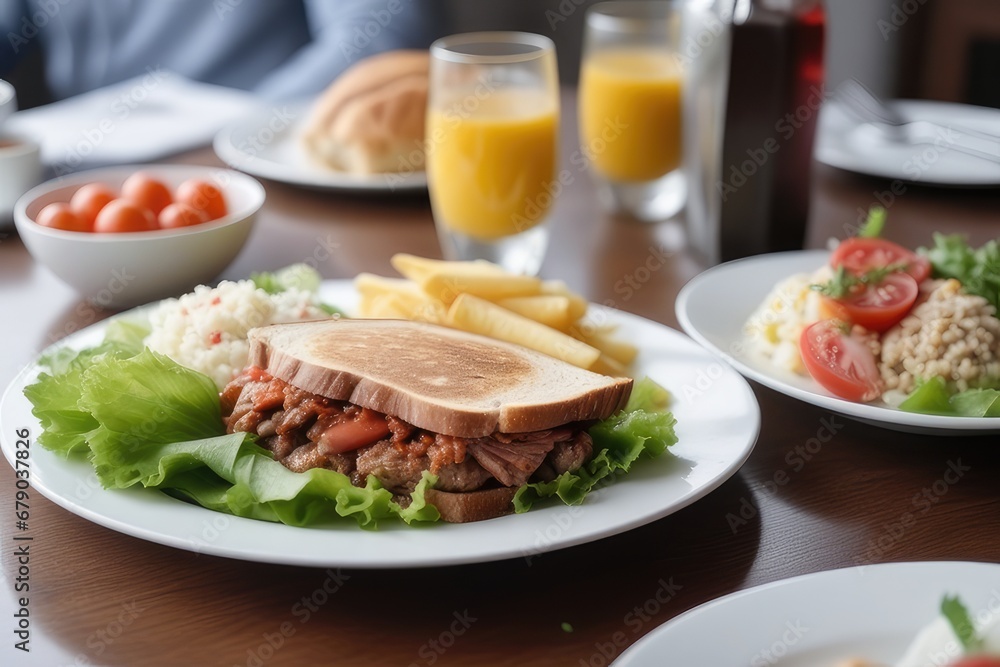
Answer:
(20, 170)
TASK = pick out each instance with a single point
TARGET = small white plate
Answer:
(267, 144)
(820, 619)
(714, 307)
(844, 143)
(717, 425)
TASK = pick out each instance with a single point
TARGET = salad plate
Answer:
(819, 619)
(714, 307)
(266, 144)
(717, 428)
(844, 143)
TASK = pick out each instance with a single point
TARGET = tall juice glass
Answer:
(631, 83)
(492, 134)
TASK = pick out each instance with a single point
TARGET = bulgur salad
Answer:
(916, 330)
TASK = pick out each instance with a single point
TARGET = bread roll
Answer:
(371, 119)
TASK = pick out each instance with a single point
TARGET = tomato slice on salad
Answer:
(860, 255)
(880, 306)
(840, 363)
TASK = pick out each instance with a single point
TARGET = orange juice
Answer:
(630, 113)
(491, 162)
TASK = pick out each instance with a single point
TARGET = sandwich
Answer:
(400, 400)
(371, 119)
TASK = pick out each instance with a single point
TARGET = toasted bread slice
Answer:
(472, 505)
(438, 379)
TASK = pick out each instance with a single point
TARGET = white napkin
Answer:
(142, 119)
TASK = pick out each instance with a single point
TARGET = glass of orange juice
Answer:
(631, 82)
(492, 134)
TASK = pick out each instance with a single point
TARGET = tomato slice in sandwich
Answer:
(860, 255)
(877, 307)
(366, 428)
(840, 363)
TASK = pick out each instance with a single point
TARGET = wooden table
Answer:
(794, 508)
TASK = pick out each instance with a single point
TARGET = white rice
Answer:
(207, 329)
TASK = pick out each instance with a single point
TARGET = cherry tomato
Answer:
(203, 196)
(367, 428)
(876, 307)
(859, 255)
(143, 190)
(60, 216)
(88, 201)
(180, 215)
(977, 661)
(122, 215)
(840, 363)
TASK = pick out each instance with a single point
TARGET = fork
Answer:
(865, 107)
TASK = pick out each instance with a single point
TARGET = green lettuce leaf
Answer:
(936, 397)
(55, 395)
(298, 276)
(977, 269)
(648, 395)
(643, 427)
(977, 403)
(145, 420)
(958, 617)
(930, 398)
(873, 224)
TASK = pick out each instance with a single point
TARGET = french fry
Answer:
(403, 305)
(483, 298)
(548, 309)
(577, 304)
(621, 351)
(418, 268)
(384, 307)
(370, 285)
(477, 315)
(448, 284)
(606, 365)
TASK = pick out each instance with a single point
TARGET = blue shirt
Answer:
(280, 49)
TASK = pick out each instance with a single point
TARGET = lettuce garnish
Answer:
(299, 276)
(961, 623)
(937, 397)
(978, 269)
(142, 419)
(643, 427)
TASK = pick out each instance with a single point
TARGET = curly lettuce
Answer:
(142, 419)
(644, 427)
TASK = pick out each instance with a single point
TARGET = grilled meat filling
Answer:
(306, 431)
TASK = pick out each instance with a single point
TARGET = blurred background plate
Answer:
(872, 611)
(266, 144)
(844, 143)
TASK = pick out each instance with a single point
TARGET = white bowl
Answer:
(128, 269)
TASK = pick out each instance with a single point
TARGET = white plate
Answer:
(820, 619)
(266, 144)
(714, 307)
(844, 143)
(717, 427)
